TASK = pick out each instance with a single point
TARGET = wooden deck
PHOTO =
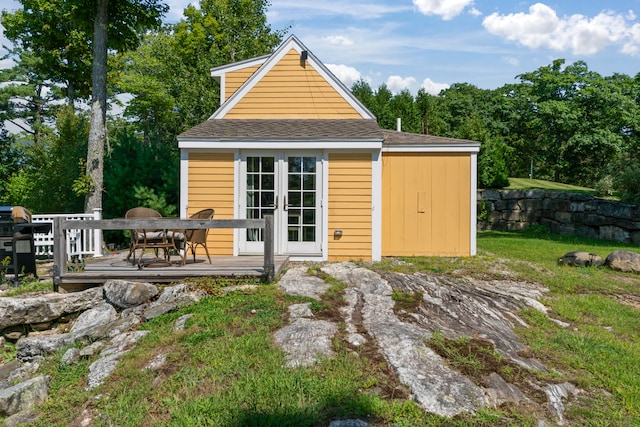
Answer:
(155, 270)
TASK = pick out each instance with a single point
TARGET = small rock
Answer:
(180, 294)
(123, 342)
(70, 357)
(157, 310)
(101, 369)
(625, 261)
(2, 341)
(180, 324)
(157, 362)
(41, 326)
(349, 423)
(581, 259)
(504, 392)
(297, 311)
(296, 281)
(556, 393)
(13, 336)
(92, 349)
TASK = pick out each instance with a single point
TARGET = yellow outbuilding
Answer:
(289, 139)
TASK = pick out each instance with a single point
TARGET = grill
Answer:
(17, 249)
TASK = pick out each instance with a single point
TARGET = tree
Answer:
(26, 97)
(125, 19)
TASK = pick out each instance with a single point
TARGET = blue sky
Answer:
(409, 44)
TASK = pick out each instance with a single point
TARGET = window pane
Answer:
(267, 182)
(294, 217)
(266, 199)
(252, 199)
(253, 213)
(309, 199)
(294, 200)
(293, 234)
(309, 216)
(308, 234)
(294, 182)
(309, 182)
(253, 182)
(253, 164)
(267, 164)
(309, 164)
(295, 164)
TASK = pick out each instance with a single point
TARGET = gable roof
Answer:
(291, 43)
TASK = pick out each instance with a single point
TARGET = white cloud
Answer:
(339, 40)
(397, 84)
(347, 75)
(432, 87)
(511, 60)
(541, 27)
(475, 12)
(447, 9)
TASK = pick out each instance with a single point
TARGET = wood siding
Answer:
(292, 90)
(349, 201)
(211, 185)
(426, 204)
(235, 79)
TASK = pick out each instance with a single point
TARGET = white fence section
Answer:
(80, 242)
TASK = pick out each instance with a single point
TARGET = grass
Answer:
(527, 184)
(224, 369)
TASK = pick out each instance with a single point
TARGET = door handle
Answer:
(285, 205)
(275, 204)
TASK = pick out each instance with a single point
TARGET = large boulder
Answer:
(44, 308)
(124, 294)
(581, 259)
(24, 395)
(626, 261)
(95, 317)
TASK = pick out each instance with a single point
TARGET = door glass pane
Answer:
(301, 180)
(309, 182)
(260, 192)
(309, 199)
(295, 164)
(294, 182)
(309, 164)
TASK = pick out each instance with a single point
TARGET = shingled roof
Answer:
(405, 138)
(235, 129)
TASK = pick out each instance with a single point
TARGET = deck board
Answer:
(97, 271)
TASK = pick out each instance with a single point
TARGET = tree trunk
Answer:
(98, 121)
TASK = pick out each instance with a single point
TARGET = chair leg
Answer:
(207, 251)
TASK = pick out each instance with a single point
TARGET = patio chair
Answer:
(190, 239)
(147, 239)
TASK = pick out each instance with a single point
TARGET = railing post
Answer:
(269, 265)
(59, 252)
(97, 233)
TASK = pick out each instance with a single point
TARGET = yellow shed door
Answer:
(426, 201)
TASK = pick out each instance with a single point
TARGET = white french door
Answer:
(289, 187)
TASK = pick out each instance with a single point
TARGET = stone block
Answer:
(609, 232)
(563, 217)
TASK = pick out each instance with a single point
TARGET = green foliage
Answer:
(147, 197)
(150, 172)
(628, 183)
(493, 171)
(45, 183)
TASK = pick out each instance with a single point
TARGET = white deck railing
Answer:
(80, 242)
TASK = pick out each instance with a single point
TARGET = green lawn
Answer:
(224, 370)
(527, 184)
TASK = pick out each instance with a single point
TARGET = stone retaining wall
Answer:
(563, 212)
